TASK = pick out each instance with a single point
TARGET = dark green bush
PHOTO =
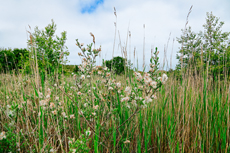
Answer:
(117, 64)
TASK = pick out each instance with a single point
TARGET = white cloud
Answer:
(160, 18)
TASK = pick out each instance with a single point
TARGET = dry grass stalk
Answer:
(144, 48)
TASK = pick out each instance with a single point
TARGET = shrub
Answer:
(117, 64)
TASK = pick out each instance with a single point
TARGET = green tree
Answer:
(189, 53)
(215, 44)
(118, 64)
(49, 49)
(208, 49)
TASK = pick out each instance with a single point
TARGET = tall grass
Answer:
(88, 113)
(191, 115)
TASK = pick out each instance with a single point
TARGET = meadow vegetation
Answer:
(102, 109)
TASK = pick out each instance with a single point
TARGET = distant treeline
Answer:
(18, 60)
(13, 59)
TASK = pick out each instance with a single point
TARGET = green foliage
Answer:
(13, 59)
(68, 69)
(9, 143)
(76, 69)
(190, 50)
(49, 49)
(117, 64)
(208, 49)
(80, 145)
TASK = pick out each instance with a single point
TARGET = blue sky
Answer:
(80, 17)
(91, 7)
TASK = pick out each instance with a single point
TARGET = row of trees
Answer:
(209, 49)
(48, 51)
(45, 49)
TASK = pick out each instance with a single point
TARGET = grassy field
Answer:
(90, 114)
(99, 111)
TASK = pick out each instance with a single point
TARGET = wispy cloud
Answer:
(92, 6)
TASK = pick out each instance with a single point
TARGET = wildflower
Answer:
(105, 68)
(88, 132)
(118, 84)
(164, 78)
(134, 102)
(94, 114)
(125, 99)
(95, 107)
(2, 135)
(128, 90)
(44, 102)
(74, 150)
(84, 64)
(147, 80)
(146, 74)
(127, 141)
(82, 77)
(52, 105)
(79, 54)
(55, 85)
(140, 87)
(110, 88)
(153, 84)
(159, 78)
(60, 103)
(57, 98)
(70, 142)
(85, 104)
(82, 44)
(108, 74)
(151, 70)
(138, 76)
(72, 116)
(152, 65)
(79, 93)
(47, 96)
(154, 96)
(79, 85)
(99, 72)
(80, 68)
(40, 94)
(88, 76)
(64, 115)
(54, 112)
(147, 100)
(9, 112)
